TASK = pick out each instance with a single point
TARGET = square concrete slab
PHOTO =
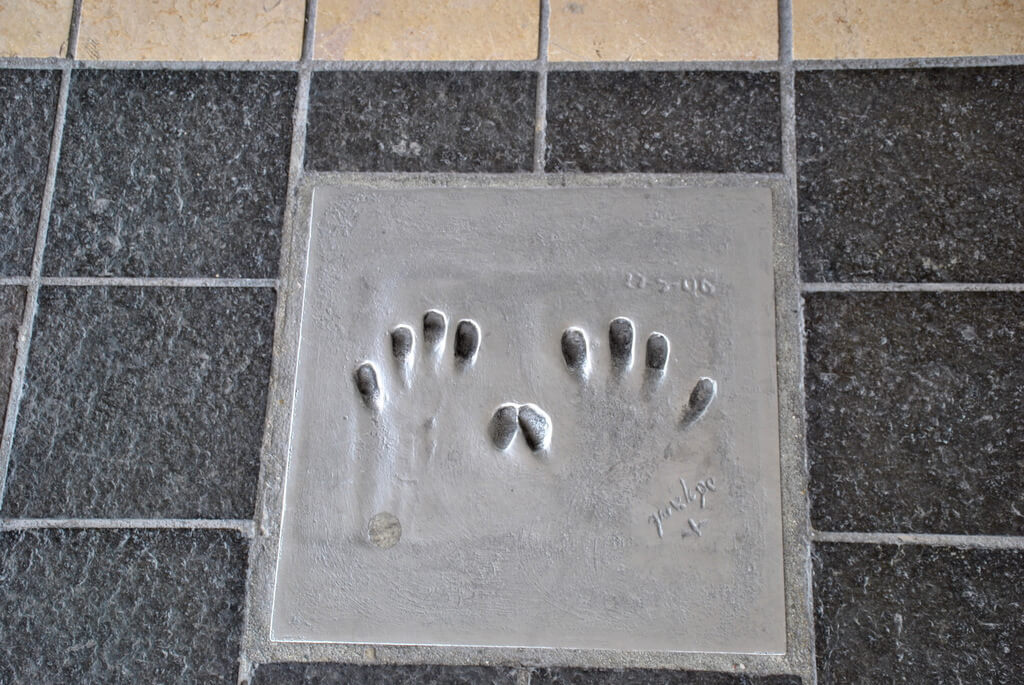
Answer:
(536, 417)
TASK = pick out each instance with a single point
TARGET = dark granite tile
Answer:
(421, 121)
(12, 305)
(578, 676)
(715, 121)
(916, 614)
(911, 174)
(914, 407)
(172, 173)
(350, 674)
(28, 100)
(143, 402)
(120, 606)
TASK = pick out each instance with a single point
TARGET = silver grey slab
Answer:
(638, 523)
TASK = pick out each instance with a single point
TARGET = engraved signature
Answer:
(680, 502)
(694, 286)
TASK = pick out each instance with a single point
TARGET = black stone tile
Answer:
(172, 173)
(916, 614)
(911, 174)
(120, 606)
(143, 402)
(914, 408)
(663, 121)
(350, 674)
(28, 100)
(421, 121)
(577, 676)
(12, 304)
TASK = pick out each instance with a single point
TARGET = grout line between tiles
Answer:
(912, 287)
(244, 526)
(934, 539)
(159, 281)
(76, 25)
(510, 65)
(15, 280)
(910, 62)
(541, 121)
(32, 291)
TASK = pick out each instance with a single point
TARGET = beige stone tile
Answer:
(876, 29)
(663, 30)
(427, 29)
(34, 28)
(202, 30)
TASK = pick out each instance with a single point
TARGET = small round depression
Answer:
(385, 530)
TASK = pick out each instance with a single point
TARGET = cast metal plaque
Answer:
(539, 417)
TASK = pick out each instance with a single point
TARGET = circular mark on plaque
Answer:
(385, 530)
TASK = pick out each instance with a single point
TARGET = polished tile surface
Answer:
(172, 173)
(437, 30)
(191, 30)
(120, 606)
(663, 30)
(914, 406)
(844, 29)
(28, 99)
(911, 174)
(663, 121)
(34, 28)
(421, 121)
(917, 614)
(143, 402)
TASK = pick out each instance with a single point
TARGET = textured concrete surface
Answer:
(143, 402)
(641, 30)
(421, 121)
(27, 102)
(913, 614)
(437, 30)
(172, 173)
(177, 30)
(663, 122)
(120, 606)
(914, 406)
(911, 174)
(843, 29)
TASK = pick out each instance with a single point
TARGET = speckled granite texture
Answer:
(575, 676)
(28, 100)
(120, 606)
(12, 305)
(350, 674)
(179, 173)
(915, 614)
(421, 121)
(914, 407)
(911, 174)
(143, 402)
(663, 121)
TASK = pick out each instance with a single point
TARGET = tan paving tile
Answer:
(34, 28)
(427, 30)
(663, 30)
(191, 29)
(877, 29)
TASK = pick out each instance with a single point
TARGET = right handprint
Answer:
(536, 423)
